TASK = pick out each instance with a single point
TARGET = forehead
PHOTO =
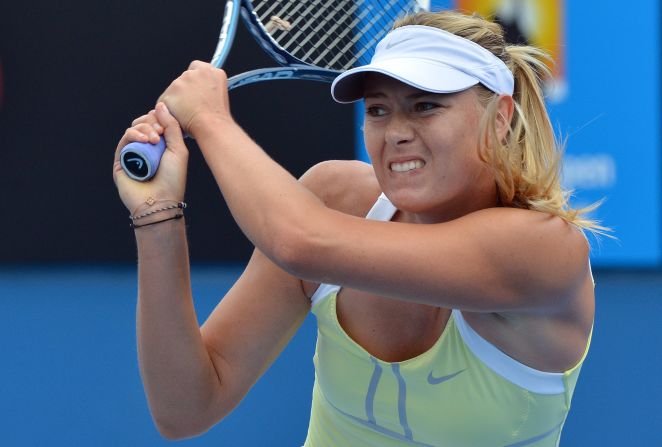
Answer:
(376, 84)
(379, 85)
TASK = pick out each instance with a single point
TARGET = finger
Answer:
(173, 131)
(132, 134)
(198, 64)
(155, 123)
(146, 118)
(149, 118)
(150, 131)
(143, 133)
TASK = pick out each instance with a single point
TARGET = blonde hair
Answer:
(527, 164)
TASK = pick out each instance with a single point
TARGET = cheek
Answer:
(461, 155)
(373, 141)
(469, 140)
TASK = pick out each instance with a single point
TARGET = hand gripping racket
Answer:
(312, 40)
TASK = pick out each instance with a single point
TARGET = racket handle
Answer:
(141, 160)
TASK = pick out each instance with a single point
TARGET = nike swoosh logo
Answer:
(392, 44)
(437, 380)
(137, 161)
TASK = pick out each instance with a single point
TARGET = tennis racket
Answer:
(312, 40)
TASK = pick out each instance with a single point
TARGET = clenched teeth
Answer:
(407, 166)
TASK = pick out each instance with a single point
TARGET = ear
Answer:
(505, 109)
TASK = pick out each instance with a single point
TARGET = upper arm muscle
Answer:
(493, 260)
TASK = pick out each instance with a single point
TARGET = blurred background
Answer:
(74, 74)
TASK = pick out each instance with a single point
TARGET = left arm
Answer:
(489, 261)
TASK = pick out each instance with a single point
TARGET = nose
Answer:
(399, 130)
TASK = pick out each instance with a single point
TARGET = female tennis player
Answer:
(458, 313)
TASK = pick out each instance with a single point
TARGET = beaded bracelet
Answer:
(180, 205)
(175, 217)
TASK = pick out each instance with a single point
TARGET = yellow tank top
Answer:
(462, 392)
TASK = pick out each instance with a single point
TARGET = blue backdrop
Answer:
(69, 374)
(610, 115)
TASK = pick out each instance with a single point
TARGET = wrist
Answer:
(204, 124)
(162, 221)
(152, 206)
(153, 211)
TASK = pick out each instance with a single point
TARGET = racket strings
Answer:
(309, 24)
(312, 22)
(334, 34)
(311, 35)
(332, 48)
(368, 40)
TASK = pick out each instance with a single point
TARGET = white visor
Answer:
(429, 59)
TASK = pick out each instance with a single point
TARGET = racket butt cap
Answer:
(140, 161)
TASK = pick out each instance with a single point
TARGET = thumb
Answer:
(172, 130)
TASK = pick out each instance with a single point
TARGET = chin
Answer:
(412, 201)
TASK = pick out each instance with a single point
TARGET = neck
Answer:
(458, 207)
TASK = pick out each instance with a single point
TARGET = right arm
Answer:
(193, 376)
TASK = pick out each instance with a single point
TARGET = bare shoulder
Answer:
(348, 186)
(549, 257)
(547, 254)
(523, 227)
(518, 217)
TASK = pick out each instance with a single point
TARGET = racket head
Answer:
(326, 34)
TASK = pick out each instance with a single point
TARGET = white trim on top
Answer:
(323, 291)
(533, 380)
(382, 210)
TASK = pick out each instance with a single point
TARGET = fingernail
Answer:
(165, 108)
(153, 135)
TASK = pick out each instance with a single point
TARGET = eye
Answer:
(375, 111)
(426, 106)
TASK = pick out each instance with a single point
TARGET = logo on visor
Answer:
(393, 44)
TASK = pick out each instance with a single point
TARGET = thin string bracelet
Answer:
(180, 205)
(175, 217)
(150, 201)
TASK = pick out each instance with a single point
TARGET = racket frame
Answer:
(290, 66)
(227, 33)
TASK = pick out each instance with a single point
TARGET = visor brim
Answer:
(430, 76)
